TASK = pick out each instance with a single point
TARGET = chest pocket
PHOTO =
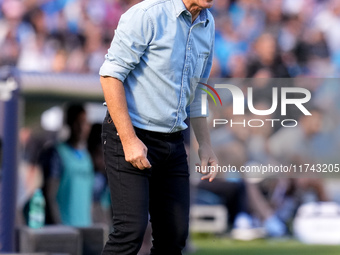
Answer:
(200, 65)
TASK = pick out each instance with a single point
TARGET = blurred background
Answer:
(54, 49)
(290, 38)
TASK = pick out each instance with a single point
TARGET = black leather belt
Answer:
(159, 134)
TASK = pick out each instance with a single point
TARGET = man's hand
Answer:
(135, 152)
(205, 152)
(134, 149)
(208, 158)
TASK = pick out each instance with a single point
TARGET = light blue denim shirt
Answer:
(156, 52)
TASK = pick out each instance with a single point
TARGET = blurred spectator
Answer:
(227, 43)
(237, 66)
(328, 21)
(272, 201)
(295, 145)
(258, 137)
(230, 193)
(29, 175)
(266, 57)
(13, 31)
(68, 174)
(35, 55)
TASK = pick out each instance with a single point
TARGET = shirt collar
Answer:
(203, 16)
(180, 7)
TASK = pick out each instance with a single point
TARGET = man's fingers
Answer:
(205, 177)
(204, 166)
(211, 176)
(208, 173)
(204, 162)
(202, 170)
(135, 153)
(145, 162)
(208, 162)
(137, 164)
(141, 163)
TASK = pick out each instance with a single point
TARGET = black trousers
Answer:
(161, 191)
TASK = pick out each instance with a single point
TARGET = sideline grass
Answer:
(209, 245)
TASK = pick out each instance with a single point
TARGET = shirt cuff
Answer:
(112, 70)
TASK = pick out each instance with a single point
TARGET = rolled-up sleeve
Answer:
(132, 37)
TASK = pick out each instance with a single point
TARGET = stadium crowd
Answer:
(286, 38)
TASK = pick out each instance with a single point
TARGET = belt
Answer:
(159, 134)
(152, 133)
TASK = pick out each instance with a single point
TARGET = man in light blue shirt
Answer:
(160, 50)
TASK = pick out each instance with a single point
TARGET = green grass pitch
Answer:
(209, 245)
